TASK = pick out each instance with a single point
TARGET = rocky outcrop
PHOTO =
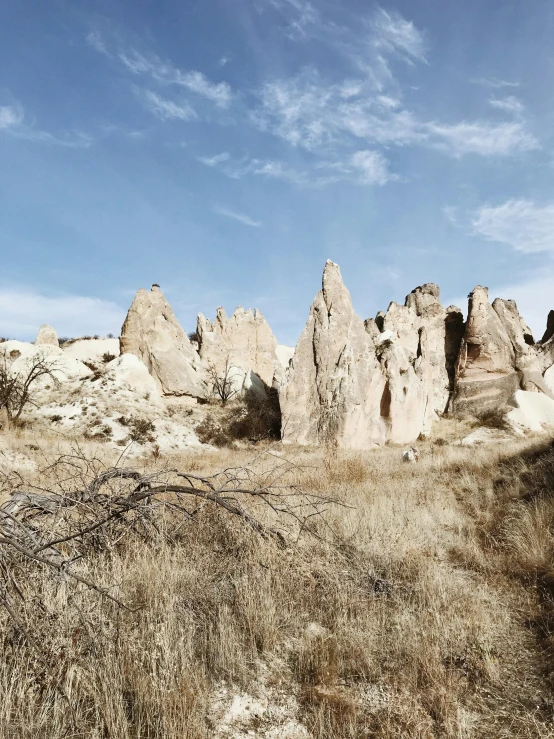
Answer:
(47, 336)
(335, 389)
(242, 340)
(153, 334)
(344, 385)
(526, 359)
(485, 369)
(430, 336)
(497, 356)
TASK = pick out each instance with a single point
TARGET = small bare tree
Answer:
(221, 384)
(16, 388)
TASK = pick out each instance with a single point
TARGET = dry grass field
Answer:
(418, 605)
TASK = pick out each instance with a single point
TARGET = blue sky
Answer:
(226, 148)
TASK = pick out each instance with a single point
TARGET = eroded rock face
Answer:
(430, 336)
(485, 370)
(243, 340)
(335, 387)
(47, 336)
(153, 334)
(526, 359)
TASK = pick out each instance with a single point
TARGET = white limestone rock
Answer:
(531, 411)
(244, 340)
(92, 350)
(47, 336)
(152, 333)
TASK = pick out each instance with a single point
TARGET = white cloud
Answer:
(494, 82)
(22, 311)
(481, 137)
(508, 104)
(12, 122)
(94, 39)
(11, 116)
(300, 14)
(215, 160)
(165, 109)
(394, 34)
(165, 73)
(236, 216)
(521, 224)
(372, 167)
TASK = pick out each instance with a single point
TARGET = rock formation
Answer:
(243, 340)
(430, 335)
(335, 390)
(497, 356)
(47, 336)
(485, 369)
(152, 333)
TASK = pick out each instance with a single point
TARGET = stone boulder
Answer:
(47, 336)
(335, 389)
(243, 340)
(153, 334)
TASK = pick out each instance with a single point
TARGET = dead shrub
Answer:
(256, 417)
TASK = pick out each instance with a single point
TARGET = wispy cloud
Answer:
(509, 104)
(11, 116)
(485, 138)
(307, 112)
(12, 122)
(371, 166)
(94, 39)
(300, 15)
(167, 74)
(395, 35)
(23, 310)
(166, 109)
(521, 224)
(236, 216)
(215, 160)
(494, 82)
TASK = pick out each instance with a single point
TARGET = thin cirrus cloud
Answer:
(509, 104)
(167, 74)
(344, 124)
(22, 311)
(12, 122)
(236, 216)
(394, 34)
(520, 224)
(166, 109)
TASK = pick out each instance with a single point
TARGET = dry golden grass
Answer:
(416, 615)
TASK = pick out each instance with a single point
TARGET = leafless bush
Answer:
(220, 384)
(107, 357)
(16, 388)
(257, 418)
(47, 535)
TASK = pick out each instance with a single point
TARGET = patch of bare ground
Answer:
(420, 608)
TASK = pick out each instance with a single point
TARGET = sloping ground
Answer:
(415, 614)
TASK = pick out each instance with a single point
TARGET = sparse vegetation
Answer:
(140, 429)
(107, 357)
(17, 388)
(221, 384)
(420, 608)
